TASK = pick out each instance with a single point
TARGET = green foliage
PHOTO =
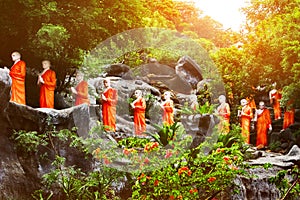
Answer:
(154, 155)
(75, 184)
(288, 183)
(267, 165)
(192, 176)
(132, 142)
(69, 182)
(234, 137)
(165, 133)
(29, 141)
(206, 108)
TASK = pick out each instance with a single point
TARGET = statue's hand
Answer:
(73, 90)
(6, 69)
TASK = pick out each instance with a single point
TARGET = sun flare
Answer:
(227, 12)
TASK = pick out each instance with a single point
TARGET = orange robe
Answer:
(289, 118)
(224, 112)
(168, 118)
(139, 116)
(109, 109)
(276, 105)
(47, 89)
(82, 95)
(245, 121)
(262, 126)
(17, 74)
(251, 103)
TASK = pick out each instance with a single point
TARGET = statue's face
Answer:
(261, 105)
(221, 99)
(137, 93)
(106, 83)
(46, 64)
(243, 103)
(15, 56)
(79, 77)
(167, 95)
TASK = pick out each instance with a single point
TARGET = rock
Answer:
(119, 70)
(199, 126)
(163, 77)
(257, 185)
(15, 181)
(59, 102)
(21, 117)
(189, 71)
(276, 159)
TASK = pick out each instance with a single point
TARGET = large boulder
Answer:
(256, 185)
(189, 71)
(21, 117)
(163, 77)
(20, 172)
(119, 70)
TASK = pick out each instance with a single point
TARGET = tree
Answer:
(273, 38)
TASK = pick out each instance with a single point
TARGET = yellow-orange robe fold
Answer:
(17, 74)
(245, 121)
(262, 126)
(82, 95)
(168, 117)
(276, 104)
(289, 118)
(47, 89)
(109, 109)
(224, 112)
(139, 116)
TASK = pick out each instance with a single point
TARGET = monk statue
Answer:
(168, 110)
(139, 107)
(47, 83)
(223, 111)
(263, 124)
(275, 97)
(289, 115)
(246, 115)
(17, 74)
(81, 91)
(109, 103)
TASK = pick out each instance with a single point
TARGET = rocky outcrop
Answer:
(284, 161)
(20, 173)
(256, 185)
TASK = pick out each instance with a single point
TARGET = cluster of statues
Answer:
(261, 116)
(109, 102)
(47, 82)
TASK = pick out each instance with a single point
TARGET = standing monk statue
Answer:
(139, 106)
(47, 83)
(168, 109)
(17, 74)
(224, 112)
(263, 124)
(81, 91)
(246, 116)
(109, 103)
(275, 97)
(289, 115)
